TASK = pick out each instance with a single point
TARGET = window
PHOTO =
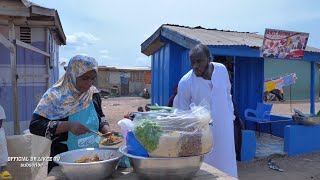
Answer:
(25, 34)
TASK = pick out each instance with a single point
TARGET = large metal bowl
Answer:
(92, 170)
(308, 121)
(164, 168)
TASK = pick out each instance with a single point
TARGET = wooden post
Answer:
(13, 58)
(28, 46)
(47, 58)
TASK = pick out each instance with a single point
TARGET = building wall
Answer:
(300, 90)
(248, 83)
(168, 65)
(114, 78)
(159, 80)
(148, 77)
(137, 80)
(30, 89)
(103, 79)
(135, 88)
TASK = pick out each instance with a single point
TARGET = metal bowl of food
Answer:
(88, 163)
(164, 168)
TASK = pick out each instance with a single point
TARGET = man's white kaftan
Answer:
(193, 89)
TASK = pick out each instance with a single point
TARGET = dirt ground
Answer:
(116, 108)
(295, 167)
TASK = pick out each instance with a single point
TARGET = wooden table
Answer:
(206, 172)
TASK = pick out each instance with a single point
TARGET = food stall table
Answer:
(206, 172)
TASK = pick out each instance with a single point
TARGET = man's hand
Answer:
(77, 128)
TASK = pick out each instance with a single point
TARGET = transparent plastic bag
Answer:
(176, 134)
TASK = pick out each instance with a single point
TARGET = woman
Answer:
(71, 109)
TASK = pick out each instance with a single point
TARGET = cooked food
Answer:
(111, 140)
(87, 159)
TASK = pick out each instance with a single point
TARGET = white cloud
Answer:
(81, 40)
(104, 54)
(82, 36)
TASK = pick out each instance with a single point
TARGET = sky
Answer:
(112, 31)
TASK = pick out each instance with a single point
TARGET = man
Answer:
(210, 82)
(4, 174)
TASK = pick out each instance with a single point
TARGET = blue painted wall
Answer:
(26, 56)
(5, 55)
(30, 90)
(166, 66)
(300, 90)
(301, 139)
(248, 81)
(185, 63)
(158, 72)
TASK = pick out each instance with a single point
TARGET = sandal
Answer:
(5, 175)
(274, 166)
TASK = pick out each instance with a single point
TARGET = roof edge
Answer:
(145, 46)
(155, 42)
(36, 9)
(213, 29)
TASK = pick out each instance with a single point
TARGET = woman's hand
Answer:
(78, 128)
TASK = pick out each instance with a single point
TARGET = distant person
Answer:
(147, 107)
(4, 173)
(175, 92)
(140, 109)
(146, 93)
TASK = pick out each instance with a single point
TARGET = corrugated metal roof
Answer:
(216, 37)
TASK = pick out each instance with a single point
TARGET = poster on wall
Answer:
(284, 44)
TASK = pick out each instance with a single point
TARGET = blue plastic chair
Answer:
(259, 115)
